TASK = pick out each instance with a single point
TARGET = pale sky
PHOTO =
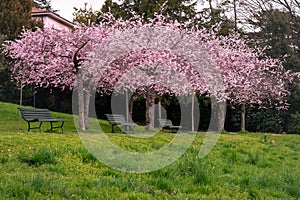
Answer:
(65, 7)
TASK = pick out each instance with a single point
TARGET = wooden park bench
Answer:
(167, 124)
(117, 119)
(31, 115)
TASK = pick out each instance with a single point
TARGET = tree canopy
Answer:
(54, 58)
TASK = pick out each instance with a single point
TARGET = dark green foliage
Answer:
(114, 8)
(275, 27)
(288, 117)
(14, 15)
(9, 92)
(180, 10)
(54, 99)
(279, 31)
(205, 112)
(85, 15)
(214, 17)
(264, 120)
(294, 126)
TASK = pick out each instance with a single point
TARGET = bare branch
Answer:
(76, 61)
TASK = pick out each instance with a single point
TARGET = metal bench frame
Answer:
(117, 119)
(31, 115)
(167, 124)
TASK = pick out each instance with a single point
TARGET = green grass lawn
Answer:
(57, 166)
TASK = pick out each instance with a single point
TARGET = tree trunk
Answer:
(193, 112)
(243, 117)
(130, 108)
(21, 102)
(152, 113)
(87, 97)
(150, 100)
(235, 16)
(81, 113)
(221, 115)
(212, 12)
(159, 107)
(33, 97)
(218, 114)
(126, 106)
(126, 110)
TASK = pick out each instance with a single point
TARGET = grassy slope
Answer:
(9, 115)
(57, 166)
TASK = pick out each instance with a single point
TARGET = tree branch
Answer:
(75, 60)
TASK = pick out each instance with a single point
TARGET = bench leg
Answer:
(112, 128)
(41, 126)
(51, 125)
(28, 126)
(62, 127)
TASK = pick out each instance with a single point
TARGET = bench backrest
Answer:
(33, 113)
(165, 122)
(115, 118)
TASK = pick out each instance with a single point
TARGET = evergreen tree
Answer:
(85, 15)
(14, 16)
(180, 10)
(43, 4)
(112, 7)
(278, 31)
(214, 17)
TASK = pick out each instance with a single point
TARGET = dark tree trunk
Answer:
(235, 16)
(81, 104)
(130, 108)
(87, 97)
(193, 112)
(243, 117)
(150, 101)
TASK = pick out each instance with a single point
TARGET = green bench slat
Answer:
(117, 119)
(166, 123)
(40, 115)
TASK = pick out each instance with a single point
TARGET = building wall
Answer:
(49, 22)
(50, 19)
